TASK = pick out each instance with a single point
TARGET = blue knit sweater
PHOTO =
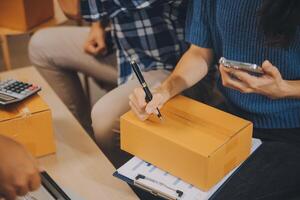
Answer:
(230, 28)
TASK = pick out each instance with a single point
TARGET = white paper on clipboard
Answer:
(162, 183)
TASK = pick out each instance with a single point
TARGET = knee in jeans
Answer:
(38, 47)
(102, 123)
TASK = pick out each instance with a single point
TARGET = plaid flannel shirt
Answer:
(151, 32)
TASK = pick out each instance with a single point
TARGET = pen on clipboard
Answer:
(142, 81)
(169, 192)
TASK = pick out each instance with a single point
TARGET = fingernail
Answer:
(268, 62)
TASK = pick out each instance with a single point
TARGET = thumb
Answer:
(269, 69)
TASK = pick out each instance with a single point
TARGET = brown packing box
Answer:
(30, 123)
(194, 142)
(25, 14)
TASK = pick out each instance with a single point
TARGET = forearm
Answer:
(292, 89)
(71, 8)
(191, 68)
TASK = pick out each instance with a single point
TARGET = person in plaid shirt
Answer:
(151, 32)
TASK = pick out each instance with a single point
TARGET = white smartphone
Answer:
(241, 65)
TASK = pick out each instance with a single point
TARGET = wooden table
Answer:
(58, 18)
(78, 165)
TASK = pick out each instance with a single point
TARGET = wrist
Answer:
(291, 89)
(164, 92)
(96, 25)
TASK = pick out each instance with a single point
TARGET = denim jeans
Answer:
(271, 173)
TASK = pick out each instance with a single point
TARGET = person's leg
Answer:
(58, 54)
(272, 172)
(107, 111)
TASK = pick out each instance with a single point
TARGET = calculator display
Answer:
(6, 98)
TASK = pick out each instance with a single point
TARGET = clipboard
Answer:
(143, 183)
(50, 185)
(169, 191)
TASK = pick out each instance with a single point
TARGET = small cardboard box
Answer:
(25, 14)
(195, 142)
(30, 123)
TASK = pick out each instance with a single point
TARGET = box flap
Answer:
(29, 106)
(193, 125)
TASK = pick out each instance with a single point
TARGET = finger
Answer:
(22, 190)
(227, 81)
(246, 78)
(140, 97)
(21, 185)
(225, 74)
(91, 48)
(154, 104)
(226, 71)
(99, 49)
(269, 69)
(141, 116)
(9, 194)
(34, 182)
(134, 103)
(41, 169)
(101, 43)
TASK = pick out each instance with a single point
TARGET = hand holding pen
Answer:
(142, 102)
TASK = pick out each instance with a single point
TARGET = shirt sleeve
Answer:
(197, 30)
(92, 10)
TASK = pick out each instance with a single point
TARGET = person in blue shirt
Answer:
(246, 31)
(266, 33)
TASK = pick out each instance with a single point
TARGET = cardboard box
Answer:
(25, 14)
(30, 123)
(194, 142)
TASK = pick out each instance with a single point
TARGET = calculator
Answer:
(12, 91)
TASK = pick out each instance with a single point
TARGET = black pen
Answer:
(142, 81)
